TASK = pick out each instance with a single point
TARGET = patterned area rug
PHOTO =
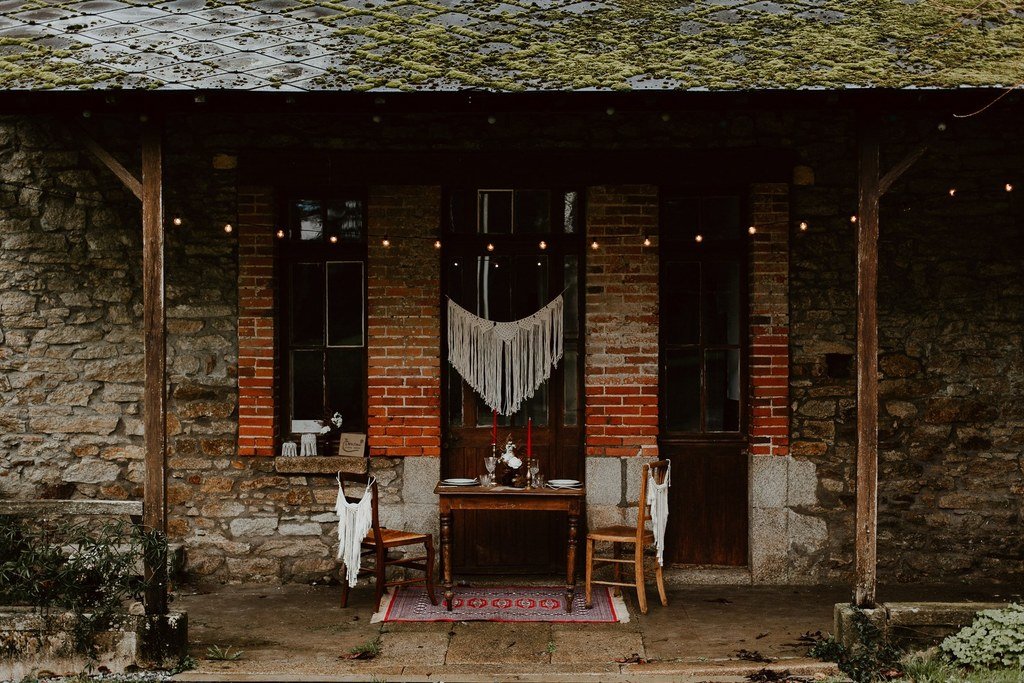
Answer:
(502, 603)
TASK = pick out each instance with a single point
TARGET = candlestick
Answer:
(494, 429)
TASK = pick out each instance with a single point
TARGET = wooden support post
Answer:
(154, 336)
(867, 364)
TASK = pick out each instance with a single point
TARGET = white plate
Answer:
(563, 486)
(460, 482)
(563, 482)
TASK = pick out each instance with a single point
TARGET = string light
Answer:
(492, 120)
(594, 245)
(176, 221)
(334, 239)
(228, 228)
(437, 244)
(610, 111)
(647, 241)
(952, 192)
(752, 230)
(853, 218)
(385, 242)
(803, 226)
(280, 234)
(543, 245)
(698, 238)
(1008, 187)
(490, 247)
(376, 118)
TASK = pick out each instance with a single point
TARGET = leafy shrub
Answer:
(995, 639)
(89, 568)
(872, 659)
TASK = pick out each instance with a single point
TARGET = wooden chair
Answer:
(639, 536)
(379, 541)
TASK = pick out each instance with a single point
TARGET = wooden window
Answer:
(322, 269)
(703, 318)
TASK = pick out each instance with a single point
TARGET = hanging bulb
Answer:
(752, 230)
(853, 218)
(952, 192)
(492, 120)
(594, 245)
(437, 244)
(490, 247)
(334, 239)
(280, 234)
(385, 242)
(647, 241)
(376, 118)
(698, 238)
(176, 221)
(803, 226)
(610, 111)
(543, 245)
(228, 228)
(1008, 187)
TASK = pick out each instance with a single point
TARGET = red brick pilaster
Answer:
(769, 320)
(404, 344)
(621, 372)
(257, 370)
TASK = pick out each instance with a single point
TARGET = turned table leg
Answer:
(446, 558)
(570, 567)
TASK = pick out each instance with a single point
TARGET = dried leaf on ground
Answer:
(753, 656)
(631, 659)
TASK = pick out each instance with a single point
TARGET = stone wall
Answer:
(951, 333)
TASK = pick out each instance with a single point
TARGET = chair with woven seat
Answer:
(379, 541)
(619, 535)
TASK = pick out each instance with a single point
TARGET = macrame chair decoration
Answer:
(505, 362)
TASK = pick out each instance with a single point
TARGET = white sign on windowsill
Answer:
(306, 426)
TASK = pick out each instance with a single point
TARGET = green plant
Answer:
(995, 639)
(551, 647)
(367, 650)
(873, 658)
(932, 667)
(87, 568)
(184, 664)
(219, 654)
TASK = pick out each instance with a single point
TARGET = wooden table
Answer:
(453, 498)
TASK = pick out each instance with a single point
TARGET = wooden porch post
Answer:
(154, 334)
(867, 363)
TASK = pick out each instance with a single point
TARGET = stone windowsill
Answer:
(319, 464)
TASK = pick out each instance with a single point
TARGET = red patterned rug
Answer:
(502, 603)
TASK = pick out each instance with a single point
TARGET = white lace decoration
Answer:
(354, 520)
(505, 362)
(657, 498)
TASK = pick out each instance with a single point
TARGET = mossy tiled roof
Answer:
(510, 45)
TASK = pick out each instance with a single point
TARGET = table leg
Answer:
(570, 567)
(446, 558)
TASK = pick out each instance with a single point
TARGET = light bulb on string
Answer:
(334, 239)
(1008, 187)
(803, 226)
(752, 230)
(952, 192)
(594, 245)
(698, 238)
(385, 242)
(280, 234)
(853, 218)
(647, 241)
(490, 246)
(176, 221)
(228, 228)
(543, 245)
(437, 244)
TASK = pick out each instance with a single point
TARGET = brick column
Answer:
(257, 368)
(769, 320)
(404, 344)
(621, 371)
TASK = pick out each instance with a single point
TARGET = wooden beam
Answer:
(899, 169)
(115, 166)
(867, 364)
(155, 345)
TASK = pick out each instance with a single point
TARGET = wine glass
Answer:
(490, 462)
(534, 471)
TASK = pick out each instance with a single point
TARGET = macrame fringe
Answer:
(505, 363)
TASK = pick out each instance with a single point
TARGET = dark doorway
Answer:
(703, 322)
(507, 253)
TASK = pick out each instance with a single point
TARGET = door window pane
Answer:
(570, 374)
(495, 211)
(307, 385)
(345, 220)
(345, 386)
(533, 211)
(723, 390)
(345, 303)
(570, 212)
(307, 304)
(682, 390)
(680, 307)
(462, 216)
(722, 303)
(681, 219)
(308, 219)
(570, 300)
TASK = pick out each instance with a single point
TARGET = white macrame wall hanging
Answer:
(505, 362)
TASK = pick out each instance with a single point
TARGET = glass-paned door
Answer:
(508, 253)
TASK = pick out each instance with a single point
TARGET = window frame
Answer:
(708, 251)
(291, 251)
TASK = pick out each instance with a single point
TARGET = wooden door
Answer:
(509, 281)
(703, 378)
